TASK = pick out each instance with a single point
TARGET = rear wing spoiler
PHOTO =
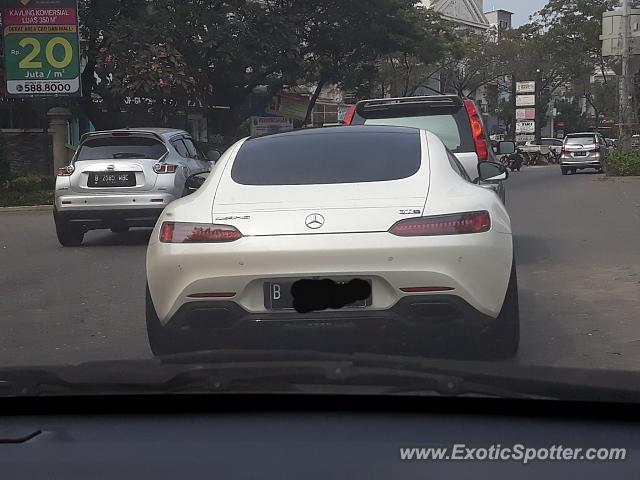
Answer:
(387, 104)
(121, 133)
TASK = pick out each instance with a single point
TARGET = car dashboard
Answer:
(294, 437)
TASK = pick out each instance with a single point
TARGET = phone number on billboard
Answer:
(43, 88)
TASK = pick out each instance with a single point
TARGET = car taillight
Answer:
(66, 171)
(479, 139)
(175, 232)
(456, 224)
(348, 118)
(165, 168)
(565, 152)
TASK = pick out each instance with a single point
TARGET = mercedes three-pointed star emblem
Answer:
(314, 221)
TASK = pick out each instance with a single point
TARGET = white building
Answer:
(469, 13)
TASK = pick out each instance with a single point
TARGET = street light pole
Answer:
(624, 117)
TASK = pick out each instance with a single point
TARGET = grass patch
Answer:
(622, 164)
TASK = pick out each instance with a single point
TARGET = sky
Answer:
(521, 8)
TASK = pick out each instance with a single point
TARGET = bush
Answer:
(32, 183)
(622, 164)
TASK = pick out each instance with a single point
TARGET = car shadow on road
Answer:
(530, 249)
(105, 238)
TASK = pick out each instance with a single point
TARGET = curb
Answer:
(34, 208)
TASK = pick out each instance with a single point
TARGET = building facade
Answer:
(468, 13)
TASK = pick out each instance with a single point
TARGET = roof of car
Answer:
(165, 133)
(338, 131)
(582, 133)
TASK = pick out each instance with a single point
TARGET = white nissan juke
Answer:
(308, 235)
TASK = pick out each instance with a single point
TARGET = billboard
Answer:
(289, 105)
(269, 125)
(41, 47)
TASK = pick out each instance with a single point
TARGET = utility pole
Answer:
(539, 108)
(625, 110)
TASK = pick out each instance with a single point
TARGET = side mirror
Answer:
(213, 156)
(492, 172)
(506, 148)
(194, 182)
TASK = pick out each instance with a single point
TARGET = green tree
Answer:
(579, 24)
(344, 36)
(480, 63)
(422, 56)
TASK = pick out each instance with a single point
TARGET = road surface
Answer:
(577, 251)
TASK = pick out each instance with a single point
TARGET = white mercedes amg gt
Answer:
(308, 235)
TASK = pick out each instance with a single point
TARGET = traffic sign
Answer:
(526, 87)
(525, 127)
(41, 48)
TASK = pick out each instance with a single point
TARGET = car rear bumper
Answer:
(575, 163)
(104, 218)
(227, 325)
(476, 268)
(67, 201)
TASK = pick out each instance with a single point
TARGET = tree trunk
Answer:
(313, 100)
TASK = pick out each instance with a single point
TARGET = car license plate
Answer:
(278, 296)
(112, 179)
(580, 154)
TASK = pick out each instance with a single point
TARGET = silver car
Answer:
(119, 179)
(583, 150)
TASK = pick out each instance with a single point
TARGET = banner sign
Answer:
(525, 100)
(41, 48)
(526, 114)
(525, 138)
(525, 127)
(525, 87)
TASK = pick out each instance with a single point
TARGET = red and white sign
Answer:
(526, 114)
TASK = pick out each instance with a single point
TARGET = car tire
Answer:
(68, 236)
(503, 339)
(565, 171)
(120, 229)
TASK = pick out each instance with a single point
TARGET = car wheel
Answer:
(120, 229)
(161, 342)
(69, 236)
(565, 171)
(503, 339)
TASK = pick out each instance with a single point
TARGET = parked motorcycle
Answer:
(513, 161)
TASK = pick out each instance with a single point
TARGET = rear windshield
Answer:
(328, 158)
(452, 126)
(110, 148)
(581, 140)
